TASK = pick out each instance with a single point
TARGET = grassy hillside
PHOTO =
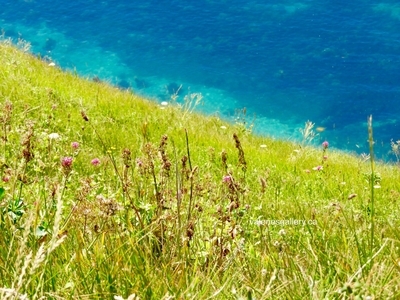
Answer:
(106, 195)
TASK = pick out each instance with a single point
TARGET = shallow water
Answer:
(331, 62)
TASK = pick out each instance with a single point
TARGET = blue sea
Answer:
(333, 63)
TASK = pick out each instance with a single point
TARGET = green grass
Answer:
(177, 204)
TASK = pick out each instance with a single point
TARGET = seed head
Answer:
(84, 116)
(126, 156)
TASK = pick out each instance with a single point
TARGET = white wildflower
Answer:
(54, 136)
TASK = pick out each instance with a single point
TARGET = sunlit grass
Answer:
(106, 195)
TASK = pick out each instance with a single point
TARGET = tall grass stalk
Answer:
(372, 183)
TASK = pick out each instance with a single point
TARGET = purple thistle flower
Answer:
(95, 162)
(227, 179)
(325, 145)
(75, 145)
(66, 162)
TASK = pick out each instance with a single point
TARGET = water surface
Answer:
(331, 62)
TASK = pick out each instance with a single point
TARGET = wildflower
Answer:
(95, 162)
(164, 103)
(307, 171)
(325, 157)
(282, 232)
(27, 152)
(126, 156)
(263, 146)
(75, 145)
(66, 162)
(318, 168)
(6, 178)
(223, 127)
(130, 297)
(325, 145)
(54, 136)
(227, 179)
(52, 64)
(139, 163)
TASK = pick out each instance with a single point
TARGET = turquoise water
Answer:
(331, 62)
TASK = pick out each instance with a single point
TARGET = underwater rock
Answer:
(141, 83)
(124, 84)
(173, 88)
(50, 45)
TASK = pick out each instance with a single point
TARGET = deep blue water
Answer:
(331, 62)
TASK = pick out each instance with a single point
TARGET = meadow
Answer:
(107, 195)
